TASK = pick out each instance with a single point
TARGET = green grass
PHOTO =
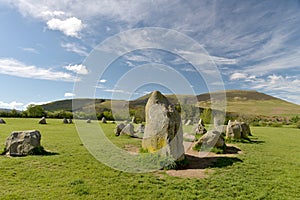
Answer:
(269, 169)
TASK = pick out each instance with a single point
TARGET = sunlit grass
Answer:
(269, 169)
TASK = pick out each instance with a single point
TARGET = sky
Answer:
(53, 50)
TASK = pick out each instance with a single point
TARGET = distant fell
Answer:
(245, 102)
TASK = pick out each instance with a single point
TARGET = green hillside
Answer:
(237, 101)
(251, 103)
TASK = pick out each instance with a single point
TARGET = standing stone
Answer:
(65, 121)
(128, 130)
(163, 131)
(20, 143)
(70, 121)
(88, 121)
(233, 130)
(43, 121)
(245, 130)
(141, 128)
(2, 121)
(237, 130)
(103, 120)
(119, 128)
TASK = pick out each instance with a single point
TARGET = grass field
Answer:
(270, 169)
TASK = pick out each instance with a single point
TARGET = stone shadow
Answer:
(194, 162)
(231, 150)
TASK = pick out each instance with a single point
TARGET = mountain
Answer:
(237, 101)
(251, 103)
(5, 110)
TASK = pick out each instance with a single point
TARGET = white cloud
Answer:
(73, 47)
(102, 81)
(188, 69)
(69, 94)
(116, 91)
(80, 69)
(51, 14)
(14, 67)
(11, 105)
(28, 49)
(237, 75)
(284, 87)
(70, 26)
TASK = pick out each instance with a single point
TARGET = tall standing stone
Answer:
(163, 130)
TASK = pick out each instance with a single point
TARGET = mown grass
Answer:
(269, 169)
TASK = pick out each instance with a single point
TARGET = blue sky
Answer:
(45, 47)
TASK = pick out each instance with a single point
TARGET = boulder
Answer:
(88, 121)
(65, 121)
(20, 143)
(189, 137)
(163, 130)
(128, 130)
(2, 121)
(43, 121)
(103, 120)
(119, 128)
(140, 128)
(212, 138)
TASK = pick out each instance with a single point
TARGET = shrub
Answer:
(275, 124)
(298, 124)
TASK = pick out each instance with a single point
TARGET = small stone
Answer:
(103, 120)
(212, 138)
(43, 121)
(119, 128)
(189, 122)
(128, 130)
(65, 121)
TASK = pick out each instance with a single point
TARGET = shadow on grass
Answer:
(245, 141)
(40, 151)
(209, 162)
(231, 150)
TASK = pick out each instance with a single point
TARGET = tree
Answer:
(35, 111)
(206, 116)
